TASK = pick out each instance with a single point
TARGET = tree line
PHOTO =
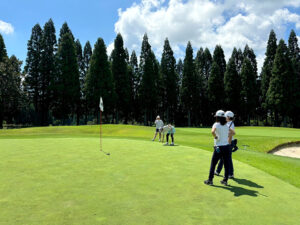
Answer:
(62, 81)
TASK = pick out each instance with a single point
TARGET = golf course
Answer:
(57, 175)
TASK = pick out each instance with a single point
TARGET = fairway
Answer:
(66, 180)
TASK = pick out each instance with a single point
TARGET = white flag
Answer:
(101, 105)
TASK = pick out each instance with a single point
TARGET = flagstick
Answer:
(101, 109)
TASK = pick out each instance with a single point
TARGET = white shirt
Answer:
(222, 133)
(159, 124)
(231, 127)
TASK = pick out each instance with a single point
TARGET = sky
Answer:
(230, 23)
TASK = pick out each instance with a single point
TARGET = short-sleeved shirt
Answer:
(230, 124)
(159, 124)
(222, 133)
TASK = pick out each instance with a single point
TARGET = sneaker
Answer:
(152, 139)
(159, 140)
(166, 143)
(172, 144)
(231, 177)
(217, 174)
(224, 182)
(208, 182)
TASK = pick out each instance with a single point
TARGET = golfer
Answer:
(159, 124)
(170, 130)
(229, 118)
(222, 137)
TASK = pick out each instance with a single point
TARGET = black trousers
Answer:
(172, 136)
(221, 163)
(223, 154)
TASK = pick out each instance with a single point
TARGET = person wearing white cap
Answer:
(222, 137)
(158, 124)
(229, 118)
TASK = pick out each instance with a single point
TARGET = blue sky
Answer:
(231, 23)
(88, 21)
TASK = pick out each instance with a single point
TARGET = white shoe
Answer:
(166, 143)
(159, 140)
(172, 143)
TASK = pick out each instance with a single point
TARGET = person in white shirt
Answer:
(158, 124)
(229, 118)
(170, 130)
(222, 138)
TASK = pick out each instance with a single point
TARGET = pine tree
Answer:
(266, 72)
(81, 78)
(99, 81)
(148, 91)
(10, 88)
(67, 86)
(295, 59)
(3, 57)
(237, 56)
(169, 82)
(208, 63)
(250, 55)
(281, 92)
(219, 58)
(179, 71)
(232, 86)
(3, 53)
(215, 88)
(64, 30)
(122, 82)
(135, 84)
(33, 69)
(87, 53)
(249, 89)
(188, 82)
(48, 70)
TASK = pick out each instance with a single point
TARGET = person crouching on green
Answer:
(170, 130)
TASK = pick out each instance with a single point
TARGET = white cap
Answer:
(220, 113)
(158, 117)
(229, 114)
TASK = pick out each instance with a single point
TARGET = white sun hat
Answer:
(158, 117)
(220, 113)
(229, 114)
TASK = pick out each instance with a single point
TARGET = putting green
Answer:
(68, 181)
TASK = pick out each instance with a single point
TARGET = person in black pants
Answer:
(233, 147)
(222, 137)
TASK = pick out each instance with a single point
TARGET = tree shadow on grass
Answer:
(239, 191)
(247, 183)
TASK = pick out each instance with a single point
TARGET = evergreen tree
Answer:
(87, 53)
(237, 56)
(208, 63)
(10, 88)
(179, 71)
(67, 86)
(122, 82)
(99, 81)
(232, 86)
(249, 86)
(3, 53)
(215, 88)
(48, 70)
(266, 71)
(219, 58)
(3, 56)
(295, 59)
(135, 84)
(64, 30)
(169, 82)
(281, 92)
(33, 69)
(148, 91)
(250, 55)
(188, 82)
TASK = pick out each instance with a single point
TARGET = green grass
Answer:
(56, 175)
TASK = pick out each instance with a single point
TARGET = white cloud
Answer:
(6, 28)
(205, 23)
